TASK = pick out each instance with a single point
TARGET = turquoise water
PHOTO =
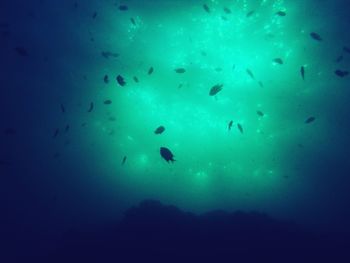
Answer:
(278, 163)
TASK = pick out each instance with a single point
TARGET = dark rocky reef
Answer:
(152, 232)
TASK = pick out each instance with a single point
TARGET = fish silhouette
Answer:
(107, 54)
(121, 80)
(106, 79)
(250, 13)
(278, 61)
(240, 128)
(215, 89)
(206, 8)
(230, 125)
(315, 36)
(260, 113)
(180, 70)
(310, 119)
(166, 154)
(302, 72)
(346, 49)
(227, 10)
(159, 130)
(341, 73)
(281, 13)
(250, 73)
(91, 107)
(21, 51)
(123, 8)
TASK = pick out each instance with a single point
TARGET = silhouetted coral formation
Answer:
(154, 232)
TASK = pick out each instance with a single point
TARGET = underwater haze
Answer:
(204, 105)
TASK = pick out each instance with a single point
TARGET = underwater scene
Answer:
(153, 126)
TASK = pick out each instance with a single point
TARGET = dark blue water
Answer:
(78, 146)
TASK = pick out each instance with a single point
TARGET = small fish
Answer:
(240, 128)
(91, 107)
(315, 36)
(278, 61)
(150, 71)
(107, 54)
(230, 125)
(341, 73)
(346, 49)
(224, 18)
(180, 70)
(227, 10)
(281, 13)
(107, 102)
(123, 8)
(203, 53)
(111, 118)
(260, 113)
(206, 8)
(215, 89)
(124, 160)
(310, 119)
(55, 134)
(302, 72)
(250, 73)
(120, 80)
(261, 84)
(250, 13)
(106, 79)
(67, 128)
(135, 79)
(62, 108)
(339, 59)
(166, 154)
(218, 69)
(159, 130)
(94, 15)
(133, 21)
(21, 51)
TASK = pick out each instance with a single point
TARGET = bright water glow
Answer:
(214, 167)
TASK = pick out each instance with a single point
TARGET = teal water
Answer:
(279, 163)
